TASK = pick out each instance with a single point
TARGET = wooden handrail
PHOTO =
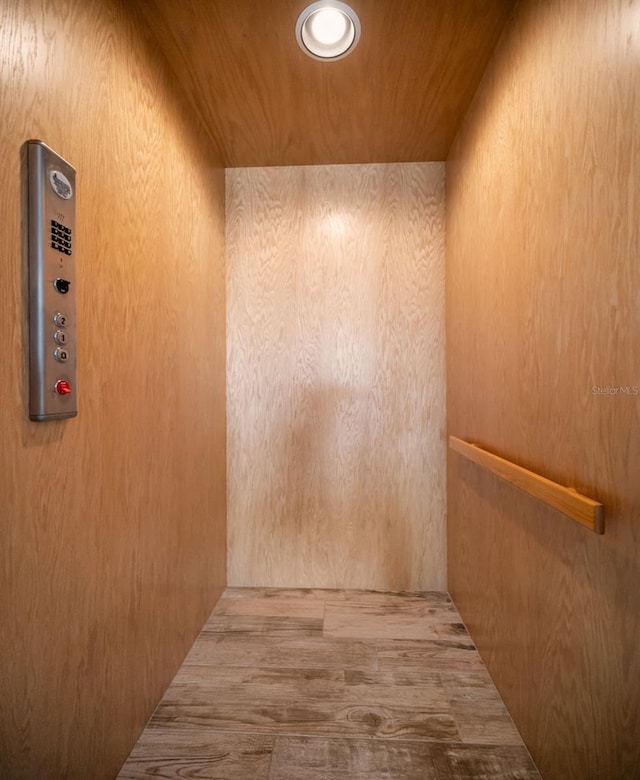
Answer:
(583, 510)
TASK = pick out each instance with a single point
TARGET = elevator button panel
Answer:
(51, 188)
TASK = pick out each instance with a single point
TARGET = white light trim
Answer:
(328, 30)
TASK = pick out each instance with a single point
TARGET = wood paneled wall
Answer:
(112, 525)
(543, 320)
(335, 379)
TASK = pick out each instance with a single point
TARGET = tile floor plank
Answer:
(438, 655)
(301, 652)
(171, 755)
(436, 599)
(414, 620)
(471, 762)
(310, 718)
(261, 624)
(479, 710)
(300, 758)
(272, 607)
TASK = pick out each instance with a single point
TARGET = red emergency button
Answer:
(63, 387)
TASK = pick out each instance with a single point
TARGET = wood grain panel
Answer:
(112, 532)
(543, 340)
(400, 95)
(335, 377)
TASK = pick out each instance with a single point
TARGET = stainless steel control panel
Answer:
(51, 188)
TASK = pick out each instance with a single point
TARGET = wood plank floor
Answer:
(331, 685)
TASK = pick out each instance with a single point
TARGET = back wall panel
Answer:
(336, 455)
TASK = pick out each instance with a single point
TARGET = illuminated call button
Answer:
(60, 337)
(61, 355)
(63, 387)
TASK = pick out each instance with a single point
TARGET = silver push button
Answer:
(60, 319)
(61, 355)
(60, 337)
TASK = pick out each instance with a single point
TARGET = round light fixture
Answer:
(328, 30)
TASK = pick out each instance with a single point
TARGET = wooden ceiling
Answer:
(399, 96)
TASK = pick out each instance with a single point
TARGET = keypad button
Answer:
(60, 337)
(60, 319)
(61, 355)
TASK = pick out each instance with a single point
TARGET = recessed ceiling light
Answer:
(328, 30)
